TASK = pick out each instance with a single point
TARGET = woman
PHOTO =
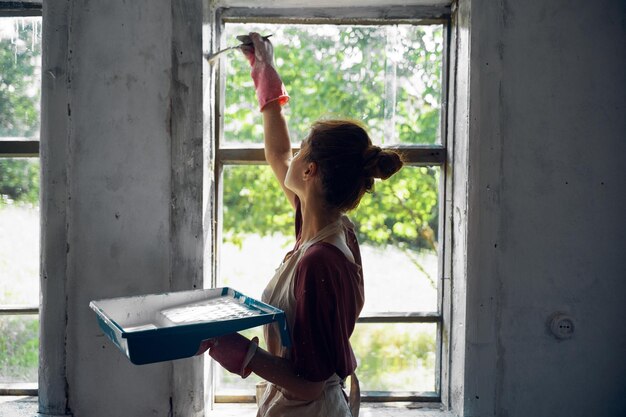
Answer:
(319, 284)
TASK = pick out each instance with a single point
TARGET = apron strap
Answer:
(354, 401)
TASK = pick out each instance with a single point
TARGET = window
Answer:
(20, 80)
(391, 74)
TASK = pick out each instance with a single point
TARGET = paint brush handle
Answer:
(212, 57)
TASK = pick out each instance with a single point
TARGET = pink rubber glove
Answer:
(233, 351)
(269, 87)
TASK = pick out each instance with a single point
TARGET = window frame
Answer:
(415, 155)
(22, 148)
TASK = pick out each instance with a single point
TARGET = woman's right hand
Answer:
(260, 50)
(269, 87)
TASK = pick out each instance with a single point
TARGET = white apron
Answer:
(280, 293)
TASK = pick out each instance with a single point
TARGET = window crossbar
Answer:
(392, 317)
(19, 148)
(399, 396)
(6, 310)
(21, 8)
(381, 15)
(412, 155)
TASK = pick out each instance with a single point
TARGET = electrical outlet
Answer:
(562, 326)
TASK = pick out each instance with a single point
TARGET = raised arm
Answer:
(277, 145)
(272, 96)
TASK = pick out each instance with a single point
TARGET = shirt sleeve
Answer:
(325, 315)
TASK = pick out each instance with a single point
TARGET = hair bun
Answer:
(381, 163)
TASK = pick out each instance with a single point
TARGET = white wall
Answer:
(547, 196)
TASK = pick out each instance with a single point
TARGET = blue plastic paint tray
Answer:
(162, 327)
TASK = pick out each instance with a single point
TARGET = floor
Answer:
(27, 407)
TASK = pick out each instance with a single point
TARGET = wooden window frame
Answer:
(435, 155)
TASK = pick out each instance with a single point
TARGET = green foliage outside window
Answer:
(19, 349)
(19, 109)
(395, 357)
(343, 72)
(19, 181)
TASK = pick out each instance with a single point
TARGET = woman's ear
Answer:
(310, 171)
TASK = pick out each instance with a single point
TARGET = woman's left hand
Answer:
(232, 351)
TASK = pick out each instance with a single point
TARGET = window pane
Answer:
(19, 348)
(387, 76)
(19, 223)
(257, 229)
(395, 357)
(20, 60)
(397, 226)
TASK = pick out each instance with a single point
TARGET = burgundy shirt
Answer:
(328, 289)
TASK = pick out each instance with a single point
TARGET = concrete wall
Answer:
(121, 140)
(120, 190)
(547, 198)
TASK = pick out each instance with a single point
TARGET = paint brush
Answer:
(245, 41)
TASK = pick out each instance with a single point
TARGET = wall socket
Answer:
(562, 326)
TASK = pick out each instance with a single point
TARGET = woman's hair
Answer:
(347, 161)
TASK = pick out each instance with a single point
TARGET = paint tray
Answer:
(162, 327)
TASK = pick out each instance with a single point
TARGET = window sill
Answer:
(367, 410)
(27, 407)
